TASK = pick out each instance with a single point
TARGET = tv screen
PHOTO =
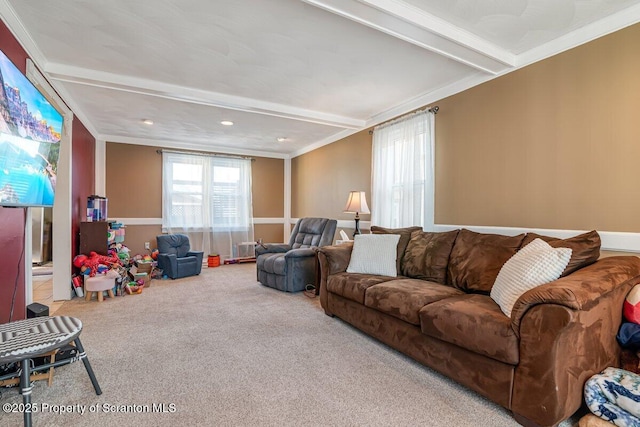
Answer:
(30, 130)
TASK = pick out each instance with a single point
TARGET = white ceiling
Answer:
(312, 71)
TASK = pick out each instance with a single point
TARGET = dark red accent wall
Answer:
(12, 220)
(12, 264)
(83, 179)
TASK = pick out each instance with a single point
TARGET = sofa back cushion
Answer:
(405, 235)
(427, 255)
(585, 248)
(476, 259)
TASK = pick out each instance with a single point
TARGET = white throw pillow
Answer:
(374, 254)
(534, 265)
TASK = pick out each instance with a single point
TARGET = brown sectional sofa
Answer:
(438, 311)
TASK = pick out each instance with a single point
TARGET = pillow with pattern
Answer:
(534, 265)
(374, 254)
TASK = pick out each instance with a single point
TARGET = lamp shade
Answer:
(357, 203)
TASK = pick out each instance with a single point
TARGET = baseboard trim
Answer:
(611, 240)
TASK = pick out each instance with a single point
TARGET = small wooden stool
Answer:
(97, 285)
(99, 294)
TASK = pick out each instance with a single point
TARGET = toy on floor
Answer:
(92, 264)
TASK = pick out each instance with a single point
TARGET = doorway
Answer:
(41, 258)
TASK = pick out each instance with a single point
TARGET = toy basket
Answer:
(133, 288)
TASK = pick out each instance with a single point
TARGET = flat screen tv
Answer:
(30, 130)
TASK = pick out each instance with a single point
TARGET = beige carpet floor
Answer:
(222, 350)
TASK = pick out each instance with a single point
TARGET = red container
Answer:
(213, 261)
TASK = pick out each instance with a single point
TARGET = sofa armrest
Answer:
(332, 260)
(198, 254)
(267, 248)
(337, 257)
(580, 290)
(567, 331)
(168, 263)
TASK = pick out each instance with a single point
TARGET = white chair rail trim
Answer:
(611, 240)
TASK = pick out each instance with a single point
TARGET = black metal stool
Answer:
(23, 340)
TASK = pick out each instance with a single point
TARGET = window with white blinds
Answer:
(206, 192)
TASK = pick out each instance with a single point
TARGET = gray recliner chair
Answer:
(175, 257)
(290, 267)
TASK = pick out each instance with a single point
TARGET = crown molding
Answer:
(325, 141)
(580, 36)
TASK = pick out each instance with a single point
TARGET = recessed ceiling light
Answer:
(147, 122)
(226, 123)
(281, 139)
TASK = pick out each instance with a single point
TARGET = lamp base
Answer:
(357, 230)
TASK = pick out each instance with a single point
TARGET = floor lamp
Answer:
(357, 203)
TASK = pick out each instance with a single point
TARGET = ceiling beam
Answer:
(413, 25)
(190, 145)
(84, 76)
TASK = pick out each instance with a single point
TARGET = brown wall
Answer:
(267, 182)
(133, 181)
(134, 190)
(553, 145)
(269, 233)
(322, 179)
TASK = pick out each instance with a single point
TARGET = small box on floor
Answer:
(136, 275)
(144, 267)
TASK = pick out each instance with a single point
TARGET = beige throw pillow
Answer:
(534, 265)
(374, 254)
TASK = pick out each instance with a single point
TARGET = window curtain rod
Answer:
(433, 110)
(205, 154)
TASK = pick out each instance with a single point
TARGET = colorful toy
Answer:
(90, 265)
(631, 306)
(133, 288)
(79, 260)
(154, 254)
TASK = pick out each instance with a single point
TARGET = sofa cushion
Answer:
(476, 259)
(404, 298)
(474, 322)
(427, 255)
(585, 248)
(353, 285)
(405, 235)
